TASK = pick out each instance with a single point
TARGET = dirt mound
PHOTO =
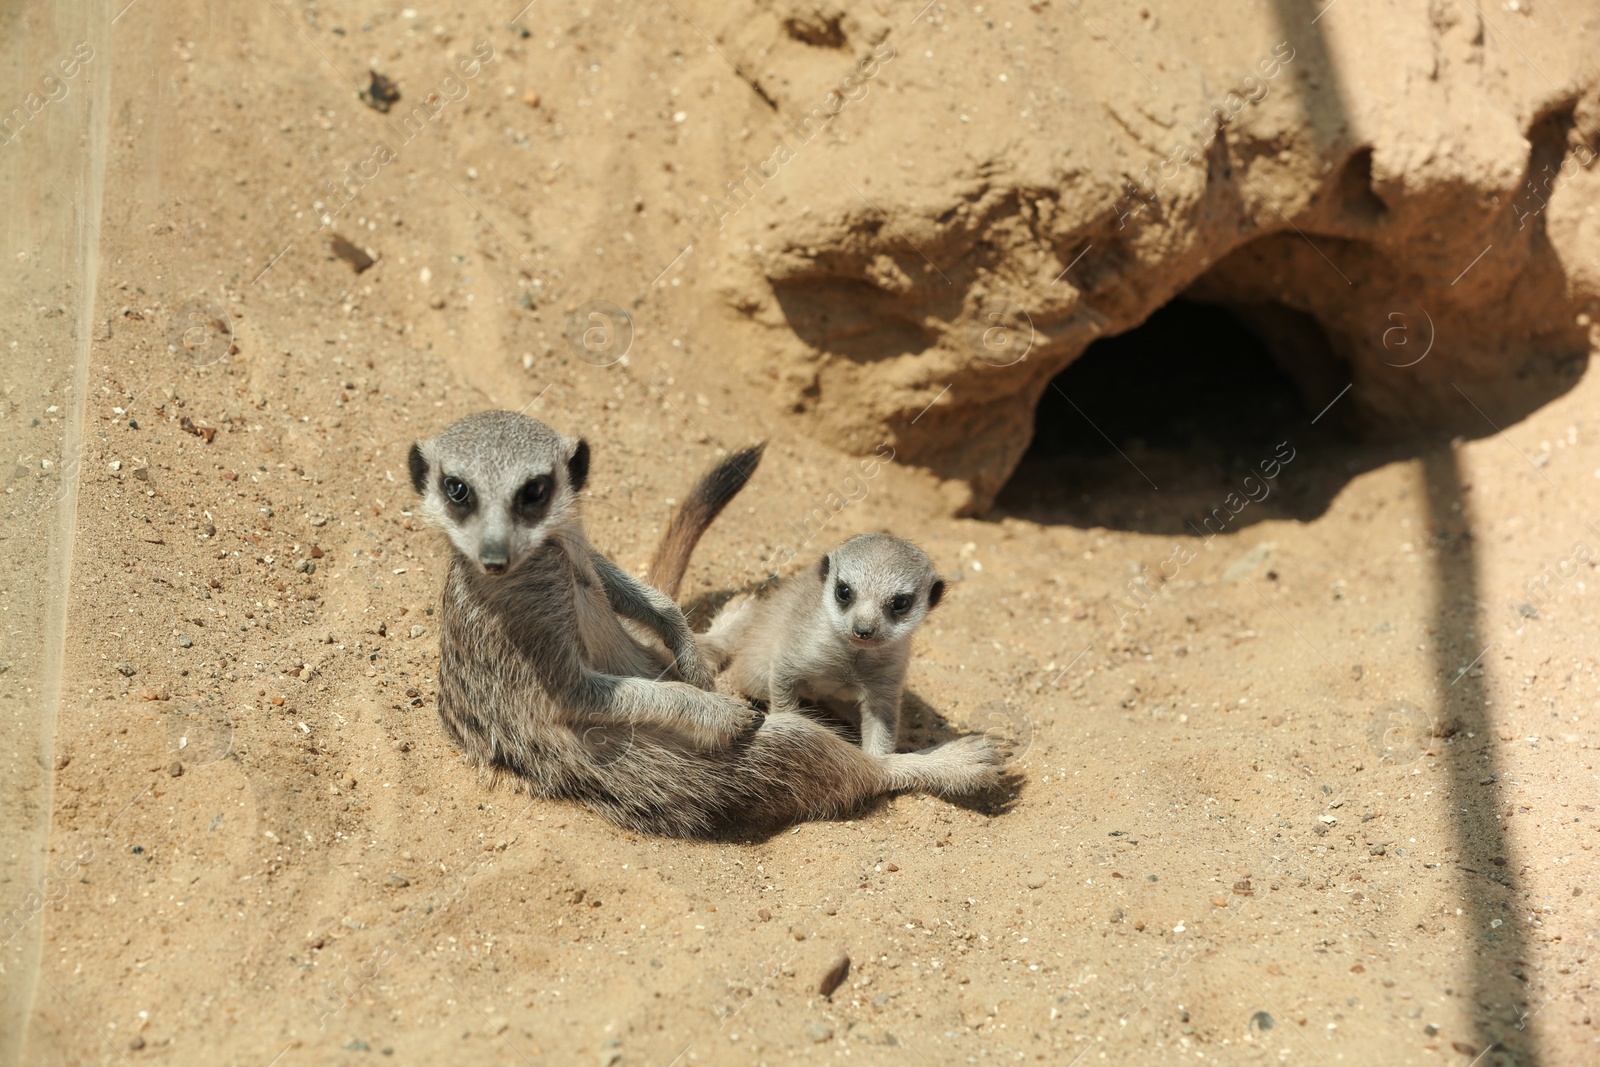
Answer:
(1398, 202)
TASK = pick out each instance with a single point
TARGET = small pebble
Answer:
(1261, 1021)
(819, 1032)
(176, 769)
(418, 631)
(834, 975)
(126, 670)
(399, 881)
(184, 641)
(1037, 881)
(137, 1043)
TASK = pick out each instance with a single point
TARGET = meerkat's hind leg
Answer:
(802, 769)
(727, 629)
(965, 765)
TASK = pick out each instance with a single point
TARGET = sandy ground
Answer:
(1321, 791)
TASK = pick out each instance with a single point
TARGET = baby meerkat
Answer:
(837, 637)
(540, 680)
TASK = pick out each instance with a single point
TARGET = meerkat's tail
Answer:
(694, 516)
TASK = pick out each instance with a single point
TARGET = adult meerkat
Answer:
(540, 680)
(837, 636)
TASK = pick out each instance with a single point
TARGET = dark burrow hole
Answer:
(1152, 429)
(1193, 378)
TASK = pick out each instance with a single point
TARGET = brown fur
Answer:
(695, 515)
(539, 678)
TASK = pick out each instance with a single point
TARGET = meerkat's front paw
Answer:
(746, 719)
(696, 672)
(724, 720)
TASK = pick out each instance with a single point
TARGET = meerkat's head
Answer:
(877, 588)
(498, 483)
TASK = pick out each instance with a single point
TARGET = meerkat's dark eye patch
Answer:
(901, 603)
(533, 498)
(843, 593)
(458, 492)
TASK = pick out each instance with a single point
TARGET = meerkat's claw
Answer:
(757, 720)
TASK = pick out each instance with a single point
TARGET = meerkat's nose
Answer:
(494, 556)
(863, 631)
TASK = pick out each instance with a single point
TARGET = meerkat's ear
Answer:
(419, 468)
(822, 568)
(578, 465)
(935, 593)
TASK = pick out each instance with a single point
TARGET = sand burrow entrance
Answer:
(1146, 427)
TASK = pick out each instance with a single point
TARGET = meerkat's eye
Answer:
(843, 593)
(533, 495)
(457, 491)
(901, 603)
